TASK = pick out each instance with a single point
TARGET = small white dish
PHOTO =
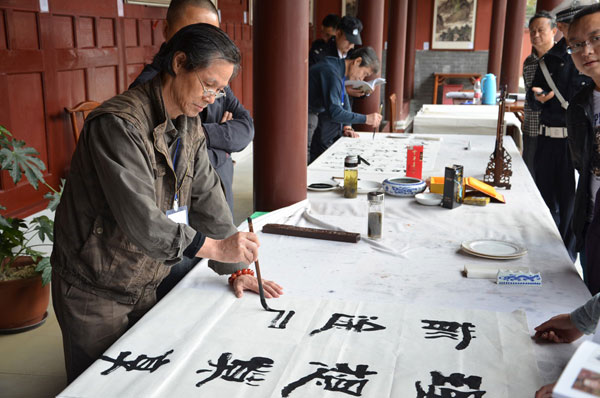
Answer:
(327, 185)
(365, 186)
(429, 199)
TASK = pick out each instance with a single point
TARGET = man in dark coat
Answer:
(346, 36)
(554, 172)
(227, 125)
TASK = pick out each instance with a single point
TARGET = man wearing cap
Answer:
(346, 36)
(556, 81)
(328, 107)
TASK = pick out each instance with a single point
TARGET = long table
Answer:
(468, 119)
(417, 263)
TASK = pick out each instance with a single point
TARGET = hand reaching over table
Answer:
(545, 391)
(349, 132)
(558, 329)
(374, 119)
(239, 247)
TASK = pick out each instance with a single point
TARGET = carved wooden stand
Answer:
(499, 168)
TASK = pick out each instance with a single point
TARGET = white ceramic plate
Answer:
(328, 185)
(495, 249)
(429, 199)
(492, 257)
(365, 186)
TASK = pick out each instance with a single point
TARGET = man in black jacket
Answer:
(550, 93)
(583, 123)
(328, 29)
(227, 125)
(346, 36)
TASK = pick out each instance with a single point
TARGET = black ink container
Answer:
(376, 207)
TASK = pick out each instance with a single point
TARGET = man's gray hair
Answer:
(369, 58)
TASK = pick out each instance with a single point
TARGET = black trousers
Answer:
(326, 133)
(529, 150)
(555, 178)
(591, 268)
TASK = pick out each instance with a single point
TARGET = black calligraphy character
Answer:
(364, 324)
(448, 386)
(141, 363)
(238, 371)
(335, 379)
(283, 322)
(450, 330)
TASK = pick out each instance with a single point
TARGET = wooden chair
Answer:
(84, 109)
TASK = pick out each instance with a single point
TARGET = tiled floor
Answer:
(31, 363)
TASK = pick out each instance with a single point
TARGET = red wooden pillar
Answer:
(497, 37)
(513, 40)
(370, 14)
(547, 5)
(280, 85)
(396, 52)
(409, 70)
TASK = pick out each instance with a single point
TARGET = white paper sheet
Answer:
(325, 348)
(385, 155)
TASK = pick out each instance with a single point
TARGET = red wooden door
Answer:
(80, 50)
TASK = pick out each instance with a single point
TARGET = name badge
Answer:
(180, 216)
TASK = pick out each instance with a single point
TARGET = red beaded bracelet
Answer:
(245, 271)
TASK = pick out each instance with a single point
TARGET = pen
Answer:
(375, 128)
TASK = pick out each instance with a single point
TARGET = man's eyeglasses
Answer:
(210, 93)
(575, 48)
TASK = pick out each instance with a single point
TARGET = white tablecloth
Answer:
(417, 262)
(466, 119)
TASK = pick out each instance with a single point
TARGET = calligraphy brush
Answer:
(261, 292)
(375, 128)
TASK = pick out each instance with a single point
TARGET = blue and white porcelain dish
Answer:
(403, 186)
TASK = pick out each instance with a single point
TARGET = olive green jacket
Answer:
(112, 235)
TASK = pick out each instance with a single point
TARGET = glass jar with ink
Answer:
(376, 207)
(351, 176)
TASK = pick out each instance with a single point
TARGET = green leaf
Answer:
(45, 268)
(44, 228)
(12, 236)
(22, 160)
(5, 137)
(54, 197)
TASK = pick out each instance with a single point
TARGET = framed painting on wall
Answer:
(157, 3)
(349, 7)
(454, 24)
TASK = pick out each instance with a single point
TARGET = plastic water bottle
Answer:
(477, 92)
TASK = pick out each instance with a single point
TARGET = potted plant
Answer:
(24, 267)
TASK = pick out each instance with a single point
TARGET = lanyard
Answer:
(176, 200)
(343, 89)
